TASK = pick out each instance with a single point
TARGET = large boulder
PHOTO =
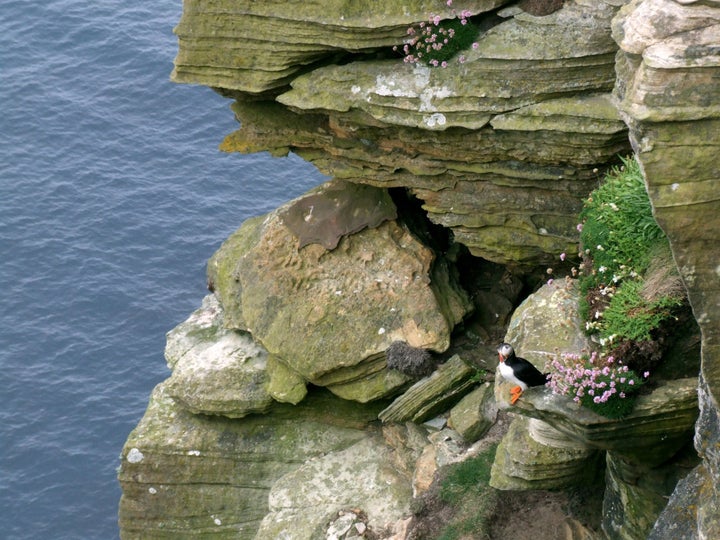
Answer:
(668, 90)
(329, 314)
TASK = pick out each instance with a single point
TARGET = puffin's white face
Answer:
(504, 350)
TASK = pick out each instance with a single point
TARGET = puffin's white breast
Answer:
(508, 373)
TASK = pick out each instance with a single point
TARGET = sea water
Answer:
(113, 195)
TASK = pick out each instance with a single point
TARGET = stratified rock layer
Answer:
(668, 89)
(256, 47)
(188, 476)
(501, 148)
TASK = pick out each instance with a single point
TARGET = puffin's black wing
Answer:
(528, 373)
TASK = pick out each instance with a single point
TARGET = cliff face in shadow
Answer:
(487, 159)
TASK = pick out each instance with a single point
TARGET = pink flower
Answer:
(475, 45)
(562, 256)
(646, 374)
(550, 281)
(579, 227)
(444, 64)
(436, 20)
(449, 2)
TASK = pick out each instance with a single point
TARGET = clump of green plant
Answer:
(436, 41)
(629, 282)
(466, 488)
(619, 232)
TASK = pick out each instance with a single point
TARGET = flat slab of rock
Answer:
(658, 426)
(432, 394)
(256, 47)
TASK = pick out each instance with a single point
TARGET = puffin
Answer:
(519, 371)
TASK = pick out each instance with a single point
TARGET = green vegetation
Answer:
(629, 282)
(630, 316)
(631, 296)
(466, 488)
(619, 231)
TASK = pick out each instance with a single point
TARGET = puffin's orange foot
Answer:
(515, 393)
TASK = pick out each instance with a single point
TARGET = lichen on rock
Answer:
(329, 316)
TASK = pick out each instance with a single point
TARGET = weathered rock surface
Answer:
(635, 496)
(433, 394)
(668, 90)
(658, 427)
(521, 462)
(473, 416)
(187, 476)
(214, 370)
(359, 478)
(257, 47)
(330, 315)
(547, 322)
(465, 139)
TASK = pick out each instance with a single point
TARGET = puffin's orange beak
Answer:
(501, 357)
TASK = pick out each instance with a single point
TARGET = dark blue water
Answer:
(112, 197)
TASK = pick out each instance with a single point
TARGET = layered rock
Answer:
(501, 148)
(562, 443)
(185, 475)
(433, 394)
(329, 315)
(667, 89)
(358, 478)
(257, 47)
(521, 462)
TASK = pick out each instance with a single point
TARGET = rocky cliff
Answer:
(452, 190)
(667, 90)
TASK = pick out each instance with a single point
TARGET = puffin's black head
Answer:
(505, 351)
